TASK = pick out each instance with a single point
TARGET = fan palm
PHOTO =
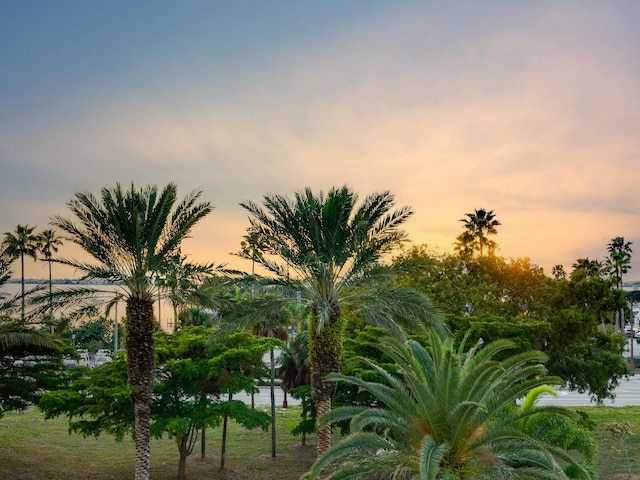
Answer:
(132, 234)
(480, 224)
(18, 245)
(326, 251)
(441, 417)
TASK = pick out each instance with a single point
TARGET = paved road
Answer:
(264, 397)
(627, 394)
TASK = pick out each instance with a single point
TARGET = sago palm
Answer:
(326, 251)
(131, 235)
(440, 416)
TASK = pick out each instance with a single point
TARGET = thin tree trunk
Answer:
(22, 282)
(203, 452)
(224, 437)
(273, 403)
(140, 370)
(50, 299)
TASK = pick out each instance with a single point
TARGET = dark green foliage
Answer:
(308, 414)
(192, 385)
(325, 249)
(27, 370)
(96, 401)
(492, 297)
(92, 335)
(442, 416)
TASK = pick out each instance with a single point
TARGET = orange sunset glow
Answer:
(529, 109)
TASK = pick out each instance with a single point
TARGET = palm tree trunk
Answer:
(325, 351)
(140, 370)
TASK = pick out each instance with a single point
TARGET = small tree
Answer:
(193, 384)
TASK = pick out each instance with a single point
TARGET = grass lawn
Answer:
(34, 449)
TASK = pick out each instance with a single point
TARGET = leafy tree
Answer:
(18, 245)
(441, 417)
(591, 268)
(48, 243)
(327, 249)
(308, 413)
(196, 376)
(491, 298)
(92, 334)
(132, 234)
(265, 317)
(478, 226)
(30, 363)
(193, 382)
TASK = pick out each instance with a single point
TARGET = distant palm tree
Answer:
(294, 368)
(591, 268)
(441, 417)
(619, 260)
(182, 282)
(132, 234)
(617, 264)
(48, 245)
(480, 224)
(17, 245)
(326, 250)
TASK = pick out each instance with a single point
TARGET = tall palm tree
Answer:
(619, 260)
(480, 224)
(18, 245)
(617, 264)
(131, 234)
(48, 245)
(326, 249)
(440, 416)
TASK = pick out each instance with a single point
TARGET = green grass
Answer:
(612, 464)
(34, 449)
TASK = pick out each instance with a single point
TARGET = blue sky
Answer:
(530, 109)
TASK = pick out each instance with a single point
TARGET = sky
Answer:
(529, 109)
